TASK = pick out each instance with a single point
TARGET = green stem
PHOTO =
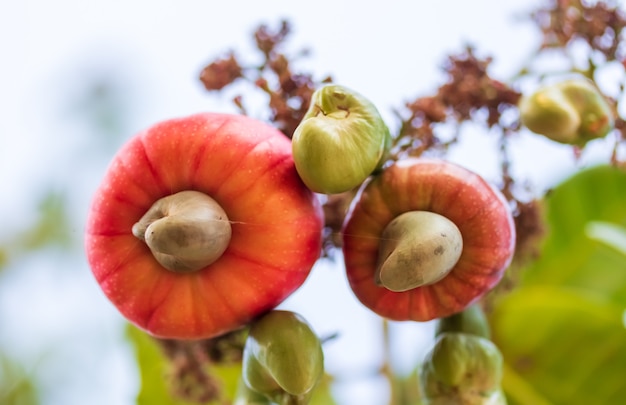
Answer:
(386, 369)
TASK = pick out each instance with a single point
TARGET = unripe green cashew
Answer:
(572, 111)
(341, 140)
(462, 369)
(246, 396)
(471, 320)
(283, 358)
(495, 398)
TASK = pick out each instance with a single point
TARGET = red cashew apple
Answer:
(202, 224)
(425, 239)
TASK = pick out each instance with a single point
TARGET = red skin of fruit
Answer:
(247, 167)
(479, 211)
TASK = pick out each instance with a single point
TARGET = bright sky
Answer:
(390, 51)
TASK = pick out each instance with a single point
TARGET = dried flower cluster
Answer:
(190, 374)
(469, 89)
(289, 92)
(599, 24)
(221, 72)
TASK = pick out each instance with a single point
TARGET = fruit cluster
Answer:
(204, 224)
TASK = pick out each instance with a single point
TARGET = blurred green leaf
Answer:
(582, 249)
(102, 103)
(228, 377)
(562, 332)
(407, 389)
(323, 394)
(4, 258)
(610, 234)
(154, 368)
(52, 226)
(561, 345)
(16, 387)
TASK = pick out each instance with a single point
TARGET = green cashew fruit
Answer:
(495, 398)
(341, 140)
(246, 396)
(471, 320)
(462, 369)
(282, 358)
(572, 111)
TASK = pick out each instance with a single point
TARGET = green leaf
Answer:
(610, 234)
(584, 247)
(323, 394)
(52, 227)
(155, 368)
(406, 390)
(16, 386)
(4, 258)
(561, 345)
(562, 331)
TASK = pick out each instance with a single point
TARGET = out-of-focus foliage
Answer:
(4, 257)
(561, 345)
(155, 368)
(51, 228)
(103, 104)
(16, 387)
(406, 389)
(579, 213)
(562, 331)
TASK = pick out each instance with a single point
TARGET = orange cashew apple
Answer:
(425, 239)
(202, 224)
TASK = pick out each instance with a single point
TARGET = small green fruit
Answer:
(495, 398)
(471, 320)
(462, 368)
(596, 116)
(283, 358)
(572, 112)
(341, 140)
(246, 396)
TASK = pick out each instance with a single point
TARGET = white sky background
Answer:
(389, 51)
